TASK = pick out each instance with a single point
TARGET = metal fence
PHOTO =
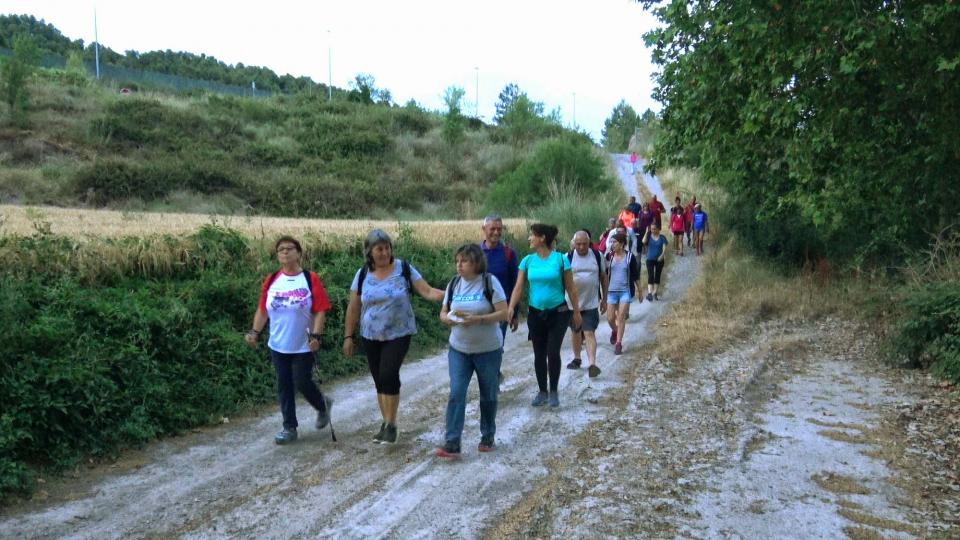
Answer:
(123, 76)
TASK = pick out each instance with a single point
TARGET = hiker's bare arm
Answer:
(259, 322)
(425, 290)
(350, 324)
(517, 291)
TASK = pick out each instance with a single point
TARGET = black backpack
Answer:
(487, 289)
(404, 271)
(596, 255)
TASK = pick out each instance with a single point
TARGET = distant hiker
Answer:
(656, 255)
(503, 263)
(658, 209)
(626, 217)
(295, 302)
(602, 243)
(623, 277)
(631, 239)
(700, 227)
(688, 218)
(549, 275)
(590, 279)
(473, 306)
(645, 218)
(380, 301)
(633, 205)
(633, 162)
(677, 226)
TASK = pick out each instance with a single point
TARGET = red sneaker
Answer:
(613, 336)
(448, 451)
(618, 349)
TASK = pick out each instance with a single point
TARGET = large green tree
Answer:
(834, 126)
(14, 75)
(619, 127)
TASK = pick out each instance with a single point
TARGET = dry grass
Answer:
(880, 523)
(81, 224)
(838, 483)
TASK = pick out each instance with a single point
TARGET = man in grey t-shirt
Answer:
(590, 278)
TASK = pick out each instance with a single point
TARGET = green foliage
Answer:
(91, 367)
(570, 162)
(618, 129)
(570, 210)
(818, 119)
(927, 332)
(523, 122)
(505, 100)
(131, 123)
(14, 75)
(105, 181)
(453, 121)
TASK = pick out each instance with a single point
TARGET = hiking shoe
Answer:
(390, 434)
(593, 371)
(554, 399)
(448, 450)
(323, 417)
(378, 438)
(656, 297)
(540, 400)
(613, 336)
(574, 364)
(486, 445)
(649, 297)
(618, 348)
(288, 435)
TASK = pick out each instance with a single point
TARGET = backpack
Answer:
(404, 271)
(676, 222)
(596, 255)
(487, 289)
(634, 269)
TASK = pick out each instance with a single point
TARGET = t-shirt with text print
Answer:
(290, 307)
(468, 297)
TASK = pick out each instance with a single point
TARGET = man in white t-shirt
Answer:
(590, 278)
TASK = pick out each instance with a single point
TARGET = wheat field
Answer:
(83, 223)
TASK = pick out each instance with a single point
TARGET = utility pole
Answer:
(329, 67)
(96, 44)
(476, 94)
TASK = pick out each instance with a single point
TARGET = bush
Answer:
(928, 331)
(567, 161)
(92, 367)
(106, 181)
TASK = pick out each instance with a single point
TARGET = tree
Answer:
(818, 121)
(15, 73)
(619, 127)
(523, 120)
(453, 122)
(505, 100)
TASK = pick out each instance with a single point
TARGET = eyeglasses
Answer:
(285, 249)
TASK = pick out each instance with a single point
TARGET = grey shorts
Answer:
(590, 318)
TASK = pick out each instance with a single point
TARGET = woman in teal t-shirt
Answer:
(549, 275)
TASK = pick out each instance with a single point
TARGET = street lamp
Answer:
(329, 67)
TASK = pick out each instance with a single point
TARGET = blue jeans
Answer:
(295, 371)
(462, 366)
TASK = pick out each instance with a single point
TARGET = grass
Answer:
(81, 223)
(838, 483)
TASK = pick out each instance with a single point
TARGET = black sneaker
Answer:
(656, 297)
(593, 371)
(540, 400)
(554, 399)
(378, 438)
(323, 417)
(486, 444)
(448, 450)
(649, 297)
(390, 434)
(574, 364)
(287, 436)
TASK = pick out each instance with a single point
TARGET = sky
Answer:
(583, 57)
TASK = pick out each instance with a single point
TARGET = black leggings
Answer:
(546, 332)
(384, 359)
(654, 269)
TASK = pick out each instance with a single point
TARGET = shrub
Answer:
(567, 161)
(927, 333)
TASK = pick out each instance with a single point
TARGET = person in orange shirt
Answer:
(626, 217)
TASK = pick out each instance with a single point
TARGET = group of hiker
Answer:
(563, 291)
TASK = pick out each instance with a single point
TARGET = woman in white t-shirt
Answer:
(473, 306)
(295, 303)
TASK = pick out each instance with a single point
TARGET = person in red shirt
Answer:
(295, 303)
(657, 208)
(677, 221)
(688, 218)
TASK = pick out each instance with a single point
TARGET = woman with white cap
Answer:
(380, 301)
